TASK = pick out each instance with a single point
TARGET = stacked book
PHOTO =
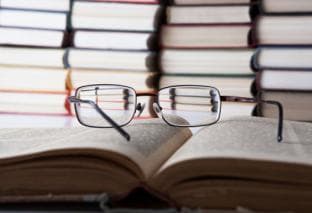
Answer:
(283, 59)
(208, 43)
(113, 43)
(32, 76)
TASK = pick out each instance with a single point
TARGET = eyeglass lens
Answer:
(118, 102)
(196, 105)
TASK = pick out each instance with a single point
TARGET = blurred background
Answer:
(50, 48)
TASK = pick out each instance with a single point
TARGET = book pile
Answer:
(116, 42)
(113, 43)
(283, 59)
(50, 48)
(208, 43)
(32, 76)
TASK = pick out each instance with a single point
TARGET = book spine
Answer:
(253, 88)
(66, 39)
(159, 17)
(67, 103)
(254, 62)
(261, 7)
(254, 10)
(65, 59)
(152, 41)
(258, 81)
(251, 41)
(151, 62)
(254, 59)
(152, 81)
(69, 16)
(167, 2)
(253, 36)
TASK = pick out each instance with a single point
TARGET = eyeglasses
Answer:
(114, 106)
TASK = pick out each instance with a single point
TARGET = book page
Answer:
(243, 147)
(238, 162)
(152, 142)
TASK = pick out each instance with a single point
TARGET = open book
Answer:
(236, 162)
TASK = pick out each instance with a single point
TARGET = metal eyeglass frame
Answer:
(158, 109)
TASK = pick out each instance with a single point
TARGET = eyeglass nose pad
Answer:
(157, 109)
(140, 107)
(214, 101)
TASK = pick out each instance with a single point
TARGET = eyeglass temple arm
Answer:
(73, 99)
(258, 101)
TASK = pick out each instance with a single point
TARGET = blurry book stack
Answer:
(208, 42)
(32, 76)
(50, 48)
(283, 58)
(114, 42)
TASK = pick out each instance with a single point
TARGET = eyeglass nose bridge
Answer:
(140, 107)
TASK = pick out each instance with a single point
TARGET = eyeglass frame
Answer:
(257, 101)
